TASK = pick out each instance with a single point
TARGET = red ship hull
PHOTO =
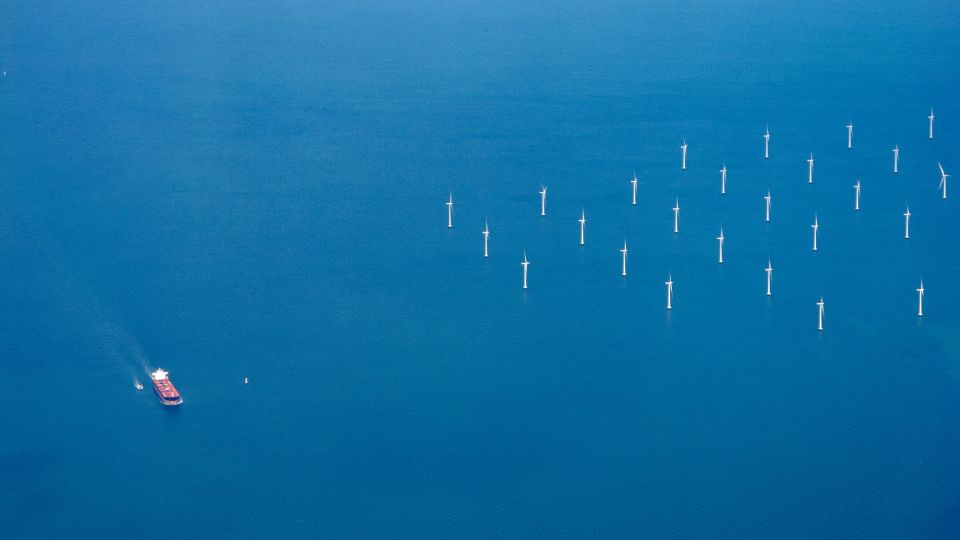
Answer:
(167, 393)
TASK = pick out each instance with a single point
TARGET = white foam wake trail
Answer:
(82, 303)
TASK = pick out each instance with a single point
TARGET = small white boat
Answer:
(137, 385)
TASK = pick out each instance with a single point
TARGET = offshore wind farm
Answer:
(720, 239)
(331, 224)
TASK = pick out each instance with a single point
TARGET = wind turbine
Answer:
(582, 220)
(856, 187)
(723, 179)
(624, 252)
(849, 134)
(543, 200)
(815, 226)
(896, 158)
(931, 123)
(906, 223)
(669, 284)
(683, 163)
(943, 181)
(486, 238)
(820, 320)
(634, 182)
(766, 144)
(920, 291)
(769, 271)
(525, 264)
(767, 199)
(810, 171)
(720, 239)
(450, 211)
(676, 216)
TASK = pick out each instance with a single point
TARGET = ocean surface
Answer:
(257, 189)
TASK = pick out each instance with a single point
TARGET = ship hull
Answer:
(167, 401)
(167, 393)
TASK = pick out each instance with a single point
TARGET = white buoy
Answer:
(669, 284)
(766, 144)
(543, 200)
(906, 223)
(634, 182)
(896, 159)
(583, 221)
(720, 240)
(723, 180)
(623, 272)
(931, 123)
(849, 134)
(486, 238)
(820, 318)
(450, 211)
(810, 169)
(676, 216)
(525, 264)
(815, 226)
(856, 197)
(767, 199)
(683, 162)
(920, 292)
(769, 271)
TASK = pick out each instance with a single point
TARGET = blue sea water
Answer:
(257, 189)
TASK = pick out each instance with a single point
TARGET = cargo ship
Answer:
(164, 388)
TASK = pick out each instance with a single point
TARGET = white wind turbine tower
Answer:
(810, 169)
(723, 179)
(920, 291)
(676, 216)
(543, 200)
(623, 272)
(767, 199)
(582, 220)
(906, 223)
(486, 238)
(683, 163)
(943, 181)
(769, 271)
(820, 319)
(525, 264)
(815, 226)
(669, 284)
(720, 239)
(634, 182)
(856, 203)
(450, 211)
(766, 144)
(896, 159)
(849, 134)
(931, 123)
